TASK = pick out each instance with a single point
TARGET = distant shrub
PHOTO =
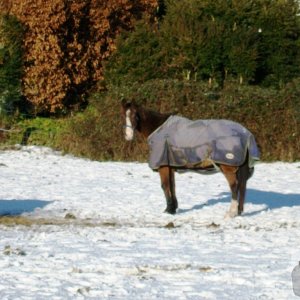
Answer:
(273, 116)
(97, 133)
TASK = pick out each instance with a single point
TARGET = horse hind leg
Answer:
(172, 181)
(168, 186)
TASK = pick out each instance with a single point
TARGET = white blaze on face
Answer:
(129, 132)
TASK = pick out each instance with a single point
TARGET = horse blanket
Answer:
(187, 144)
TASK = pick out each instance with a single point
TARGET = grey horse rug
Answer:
(187, 144)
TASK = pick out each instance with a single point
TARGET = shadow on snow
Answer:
(17, 207)
(271, 200)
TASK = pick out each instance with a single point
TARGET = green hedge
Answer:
(273, 116)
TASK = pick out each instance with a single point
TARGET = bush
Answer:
(97, 133)
(272, 116)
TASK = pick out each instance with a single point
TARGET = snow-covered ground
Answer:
(97, 230)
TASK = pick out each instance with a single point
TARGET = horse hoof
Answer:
(231, 214)
(170, 211)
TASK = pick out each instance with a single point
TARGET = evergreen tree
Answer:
(11, 35)
(139, 57)
(253, 42)
(278, 44)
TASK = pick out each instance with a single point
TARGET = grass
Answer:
(11, 221)
(35, 131)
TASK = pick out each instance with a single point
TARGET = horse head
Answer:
(131, 118)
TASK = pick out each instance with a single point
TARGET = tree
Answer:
(256, 41)
(65, 43)
(11, 36)
(139, 57)
(278, 44)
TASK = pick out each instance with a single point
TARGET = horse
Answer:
(147, 122)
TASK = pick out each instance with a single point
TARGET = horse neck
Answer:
(149, 121)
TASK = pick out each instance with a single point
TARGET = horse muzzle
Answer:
(129, 133)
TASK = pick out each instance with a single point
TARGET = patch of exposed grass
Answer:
(205, 269)
(11, 221)
(34, 131)
(8, 250)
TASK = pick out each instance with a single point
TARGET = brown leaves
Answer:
(65, 43)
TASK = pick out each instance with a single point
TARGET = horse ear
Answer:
(123, 102)
(134, 104)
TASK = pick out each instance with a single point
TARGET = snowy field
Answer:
(93, 230)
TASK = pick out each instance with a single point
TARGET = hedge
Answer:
(273, 116)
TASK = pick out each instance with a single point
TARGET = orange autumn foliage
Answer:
(66, 42)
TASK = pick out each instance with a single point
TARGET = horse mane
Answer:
(147, 120)
(148, 113)
(150, 120)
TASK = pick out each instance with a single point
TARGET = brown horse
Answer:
(145, 122)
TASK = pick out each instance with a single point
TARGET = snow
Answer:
(97, 231)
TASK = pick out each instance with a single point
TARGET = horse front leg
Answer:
(242, 177)
(243, 174)
(230, 174)
(168, 185)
